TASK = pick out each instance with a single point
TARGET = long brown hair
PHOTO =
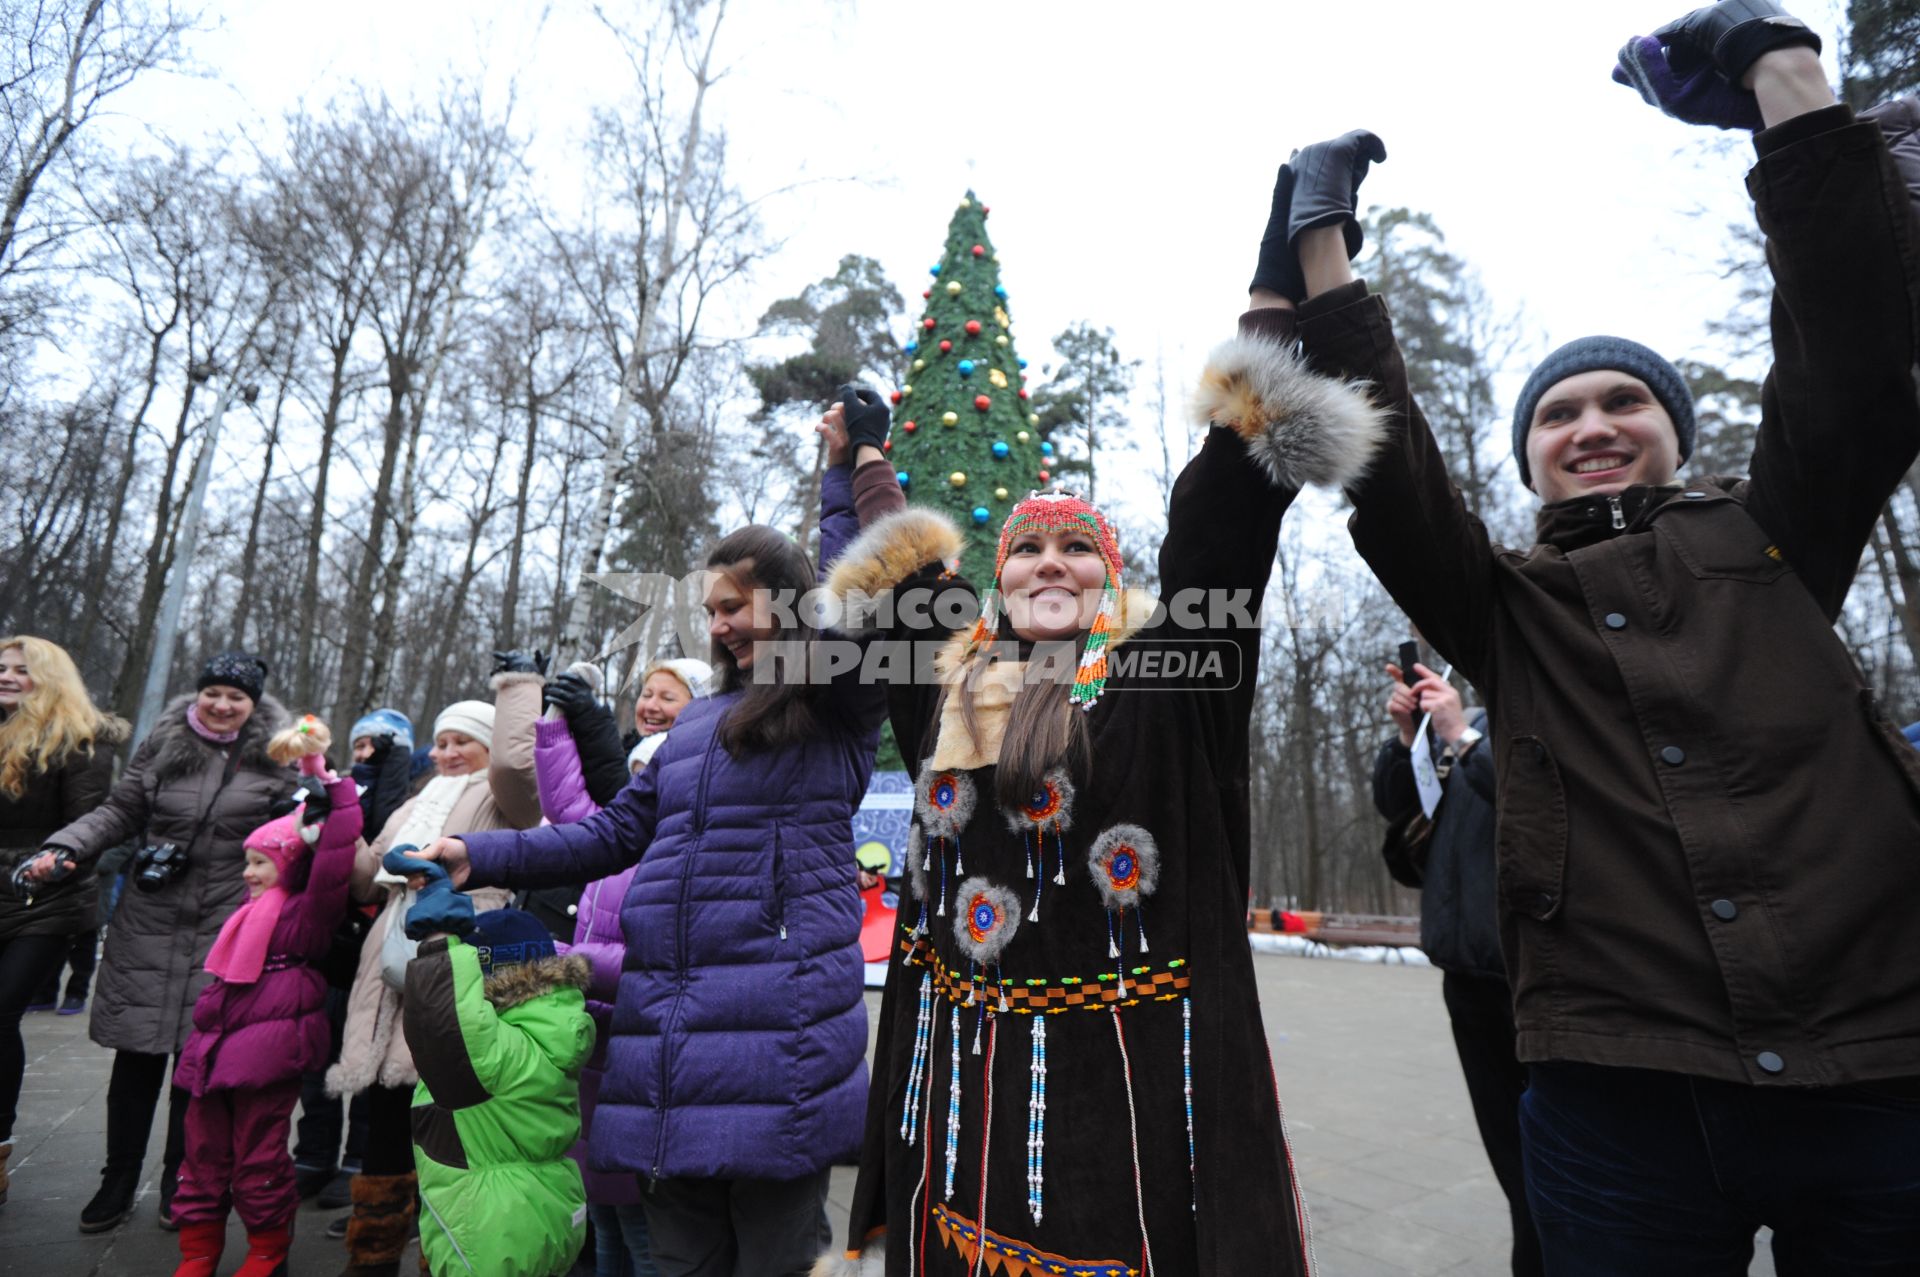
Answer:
(54, 722)
(778, 712)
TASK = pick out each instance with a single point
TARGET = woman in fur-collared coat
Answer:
(200, 782)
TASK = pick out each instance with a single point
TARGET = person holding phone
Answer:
(1448, 856)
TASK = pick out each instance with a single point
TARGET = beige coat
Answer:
(373, 1049)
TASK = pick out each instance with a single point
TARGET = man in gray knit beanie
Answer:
(1601, 414)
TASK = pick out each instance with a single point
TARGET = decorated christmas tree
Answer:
(966, 440)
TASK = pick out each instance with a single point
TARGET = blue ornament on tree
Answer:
(903, 478)
(1023, 363)
(966, 367)
(981, 514)
(1000, 451)
(934, 269)
(1000, 291)
(1046, 450)
(912, 346)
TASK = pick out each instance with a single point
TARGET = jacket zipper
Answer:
(779, 884)
(451, 1239)
(1619, 515)
(680, 957)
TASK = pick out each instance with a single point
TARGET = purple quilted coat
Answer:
(275, 1029)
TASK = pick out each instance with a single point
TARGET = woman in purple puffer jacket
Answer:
(572, 788)
(736, 1071)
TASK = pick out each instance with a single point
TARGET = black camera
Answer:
(156, 866)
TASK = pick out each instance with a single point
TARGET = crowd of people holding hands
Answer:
(573, 984)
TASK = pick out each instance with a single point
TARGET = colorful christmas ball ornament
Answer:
(1000, 450)
(1046, 449)
(927, 323)
(934, 270)
(926, 294)
(1023, 392)
(1001, 340)
(1022, 363)
(912, 346)
(954, 287)
(998, 378)
(950, 418)
(958, 478)
(982, 402)
(1022, 436)
(1056, 511)
(904, 478)
(886, 445)
(909, 426)
(1000, 291)
(966, 367)
(1045, 477)
(973, 328)
(980, 515)
(999, 494)
(967, 203)
(897, 396)
(918, 364)
(906, 390)
(979, 251)
(946, 347)
(1033, 418)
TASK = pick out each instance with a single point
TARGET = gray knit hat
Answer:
(1589, 354)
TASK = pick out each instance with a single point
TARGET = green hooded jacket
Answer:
(497, 1108)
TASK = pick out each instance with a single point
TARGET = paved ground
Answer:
(1395, 1178)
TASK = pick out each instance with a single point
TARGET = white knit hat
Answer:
(469, 718)
(696, 674)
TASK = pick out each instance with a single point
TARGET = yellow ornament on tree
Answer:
(1033, 418)
(950, 418)
(954, 286)
(998, 378)
(1021, 436)
(918, 364)
(999, 494)
(958, 479)
(1001, 339)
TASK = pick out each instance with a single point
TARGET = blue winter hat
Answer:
(1590, 354)
(384, 722)
(508, 938)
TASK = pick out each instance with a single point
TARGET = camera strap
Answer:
(226, 778)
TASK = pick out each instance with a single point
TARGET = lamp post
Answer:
(167, 631)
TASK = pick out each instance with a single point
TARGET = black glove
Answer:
(319, 800)
(569, 693)
(517, 662)
(382, 745)
(1326, 185)
(1731, 36)
(867, 416)
(1279, 269)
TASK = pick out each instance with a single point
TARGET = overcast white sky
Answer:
(1127, 149)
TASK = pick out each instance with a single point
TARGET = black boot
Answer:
(114, 1201)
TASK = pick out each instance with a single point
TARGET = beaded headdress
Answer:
(1060, 511)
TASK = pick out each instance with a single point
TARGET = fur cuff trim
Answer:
(870, 1262)
(1301, 426)
(513, 678)
(892, 549)
(523, 982)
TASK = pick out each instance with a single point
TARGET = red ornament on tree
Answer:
(927, 323)
(886, 445)
(895, 396)
(909, 426)
(1023, 392)
(979, 251)
(945, 346)
(982, 402)
(1044, 476)
(973, 328)
(926, 293)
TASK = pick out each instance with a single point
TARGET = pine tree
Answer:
(966, 441)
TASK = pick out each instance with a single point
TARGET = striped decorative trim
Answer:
(1050, 997)
(1016, 1258)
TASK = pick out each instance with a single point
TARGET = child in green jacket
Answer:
(498, 1027)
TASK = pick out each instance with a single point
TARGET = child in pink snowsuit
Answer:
(263, 1021)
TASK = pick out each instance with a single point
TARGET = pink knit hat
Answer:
(281, 841)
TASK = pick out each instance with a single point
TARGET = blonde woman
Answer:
(56, 764)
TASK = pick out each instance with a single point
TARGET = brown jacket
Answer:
(158, 943)
(373, 1049)
(1709, 837)
(53, 799)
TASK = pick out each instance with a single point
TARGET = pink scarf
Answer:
(207, 733)
(239, 953)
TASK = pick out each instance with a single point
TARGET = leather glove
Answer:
(1701, 97)
(319, 800)
(382, 746)
(568, 693)
(1326, 185)
(1278, 268)
(439, 907)
(1731, 36)
(868, 416)
(517, 662)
